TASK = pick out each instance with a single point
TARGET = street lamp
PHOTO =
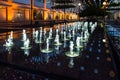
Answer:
(105, 4)
(31, 9)
(79, 4)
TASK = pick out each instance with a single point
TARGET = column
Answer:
(6, 14)
(60, 15)
(54, 14)
(9, 12)
(45, 12)
(31, 10)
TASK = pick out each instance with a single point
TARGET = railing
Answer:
(35, 23)
(113, 34)
(13, 24)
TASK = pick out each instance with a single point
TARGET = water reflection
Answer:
(71, 63)
(40, 45)
(9, 55)
(46, 58)
(78, 50)
(26, 52)
(57, 49)
(65, 44)
(9, 49)
(43, 58)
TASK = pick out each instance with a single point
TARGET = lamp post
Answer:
(31, 9)
(79, 5)
(105, 4)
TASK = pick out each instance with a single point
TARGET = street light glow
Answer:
(105, 3)
(79, 4)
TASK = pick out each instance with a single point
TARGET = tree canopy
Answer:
(94, 8)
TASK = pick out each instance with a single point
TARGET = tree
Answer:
(94, 8)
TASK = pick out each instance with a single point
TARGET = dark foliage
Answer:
(94, 8)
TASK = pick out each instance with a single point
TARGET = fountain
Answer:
(72, 53)
(86, 35)
(50, 33)
(57, 42)
(64, 44)
(64, 37)
(26, 52)
(69, 34)
(57, 48)
(93, 27)
(24, 31)
(8, 48)
(9, 42)
(44, 34)
(85, 25)
(73, 33)
(47, 50)
(83, 36)
(40, 29)
(57, 51)
(11, 35)
(78, 43)
(61, 34)
(71, 63)
(57, 31)
(24, 35)
(26, 44)
(40, 38)
(58, 27)
(33, 33)
(36, 36)
(90, 23)
(47, 58)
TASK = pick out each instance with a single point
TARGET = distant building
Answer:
(24, 11)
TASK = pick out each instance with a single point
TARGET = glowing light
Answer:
(9, 18)
(79, 4)
(45, 15)
(105, 4)
(96, 71)
(82, 68)
(104, 40)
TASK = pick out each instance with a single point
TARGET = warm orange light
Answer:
(45, 15)
(10, 1)
(9, 18)
(27, 15)
(10, 11)
(10, 14)
(3, 13)
(47, 29)
(105, 4)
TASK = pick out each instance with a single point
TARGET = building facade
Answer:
(27, 10)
